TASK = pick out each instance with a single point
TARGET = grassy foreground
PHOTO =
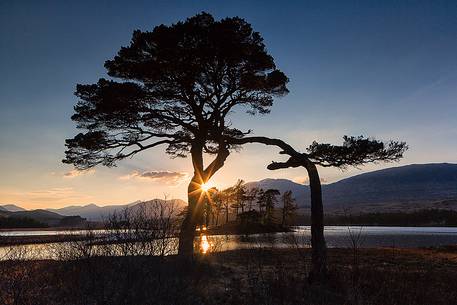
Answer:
(254, 276)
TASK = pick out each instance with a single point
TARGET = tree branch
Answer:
(287, 149)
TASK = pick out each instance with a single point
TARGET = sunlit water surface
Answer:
(336, 236)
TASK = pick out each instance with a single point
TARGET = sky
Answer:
(386, 69)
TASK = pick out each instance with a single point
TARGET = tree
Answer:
(251, 196)
(260, 200)
(288, 206)
(208, 207)
(269, 199)
(239, 196)
(217, 198)
(176, 86)
(227, 196)
(355, 151)
(235, 208)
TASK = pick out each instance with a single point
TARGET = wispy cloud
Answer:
(75, 173)
(44, 197)
(167, 177)
(57, 194)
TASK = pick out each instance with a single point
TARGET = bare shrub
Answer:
(301, 242)
(79, 246)
(16, 278)
(148, 229)
(356, 238)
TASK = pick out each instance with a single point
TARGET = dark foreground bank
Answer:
(254, 276)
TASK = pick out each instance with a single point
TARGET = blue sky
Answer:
(379, 68)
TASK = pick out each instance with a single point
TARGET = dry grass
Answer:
(253, 276)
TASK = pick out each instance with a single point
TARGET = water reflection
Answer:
(204, 243)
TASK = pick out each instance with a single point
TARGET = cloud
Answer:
(57, 194)
(75, 173)
(166, 177)
(53, 191)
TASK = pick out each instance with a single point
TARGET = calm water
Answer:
(336, 236)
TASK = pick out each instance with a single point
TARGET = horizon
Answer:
(381, 69)
(184, 199)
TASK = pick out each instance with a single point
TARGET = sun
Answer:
(205, 187)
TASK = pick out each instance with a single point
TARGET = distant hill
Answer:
(398, 188)
(94, 212)
(11, 208)
(395, 189)
(300, 191)
(73, 216)
(43, 217)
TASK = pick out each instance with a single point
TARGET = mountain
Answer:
(43, 217)
(398, 188)
(89, 211)
(11, 208)
(300, 191)
(94, 212)
(404, 186)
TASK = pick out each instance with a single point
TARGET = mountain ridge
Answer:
(94, 212)
(42, 217)
(431, 185)
(402, 188)
(11, 208)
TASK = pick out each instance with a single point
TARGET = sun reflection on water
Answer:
(204, 244)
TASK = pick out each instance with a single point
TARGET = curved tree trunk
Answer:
(188, 226)
(194, 194)
(319, 272)
(187, 233)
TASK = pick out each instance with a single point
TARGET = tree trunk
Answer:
(319, 249)
(207, 214)
(319, 272)
(187, 233)
(226, 214)
(194, 194)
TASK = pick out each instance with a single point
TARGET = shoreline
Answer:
(216, 230)
(60, 235)
(6, 241)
